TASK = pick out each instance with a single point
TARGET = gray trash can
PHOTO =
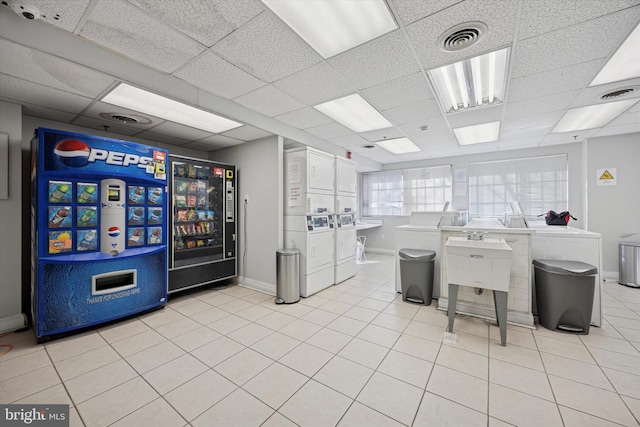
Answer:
(629, 264)
(564, 294)
(287, 276)
(416, 275)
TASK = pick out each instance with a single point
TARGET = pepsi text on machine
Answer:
(75, 153)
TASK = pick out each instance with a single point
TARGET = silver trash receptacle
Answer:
(629, 264)
(287, 276)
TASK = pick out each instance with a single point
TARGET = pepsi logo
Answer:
(113, 231)
(72, 152)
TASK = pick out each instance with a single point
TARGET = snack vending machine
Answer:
(203, 222)
(99, 230)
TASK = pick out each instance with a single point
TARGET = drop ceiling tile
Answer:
(304, 118)
(49, 70)
(22, 91)
(102, 107)
(315, 85)
(213, 74)
(201, 146)
(508, 143)
(385, 58)
(163, 138)
(595, 39)
(435, 138)
(64, 14)
(423, 110)
(618, 130)
(475, 117)
(566, 79)
(486, 147)
(269, 100)
(246, 133)
(542, 104)
(129, 31)
(543, 16)
(402, 91)
(568, 137)
(330, 130)
(626, 118)
(349, 141)
(498, 15)
(539, 124)
(380, 134)
(445, 152)
(412, 157)
(221, 141)
(205, 21)
(436, 124)
(103, 125)
(591, 95)
(267, 49)
(181, 131)
(410, 11)
(47, 113)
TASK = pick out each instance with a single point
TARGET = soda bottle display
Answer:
(87, 217)
(134, 236)
(59, 217)
(86, 193)
(88, 242)
(59, 192)
(155, 196)
(155, 235)
(136, 194)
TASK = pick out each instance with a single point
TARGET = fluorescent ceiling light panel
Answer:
(477, 134)
(474, 82)
(355, 113)
(592, 116)
(624, 64)
(399, 145)
(332, 27)
(137, 99)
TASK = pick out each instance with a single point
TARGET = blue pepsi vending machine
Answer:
(99, 230)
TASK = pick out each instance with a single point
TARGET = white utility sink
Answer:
(478, 263)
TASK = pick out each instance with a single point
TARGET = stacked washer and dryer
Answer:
(319, 220)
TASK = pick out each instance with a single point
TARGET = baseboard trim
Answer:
(256, 285)
(12, 323)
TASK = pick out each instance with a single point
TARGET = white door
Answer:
(347, 177)
(321, 172)
(320, 250)
(346, 243)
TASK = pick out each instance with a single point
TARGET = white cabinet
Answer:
(309, 181)
(346, 177)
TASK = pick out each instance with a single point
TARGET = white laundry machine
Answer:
(314, 237)
(345, 252)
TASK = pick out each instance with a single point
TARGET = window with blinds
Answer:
(399, 192)
(539, 184)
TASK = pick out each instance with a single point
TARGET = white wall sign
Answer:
(607, 177)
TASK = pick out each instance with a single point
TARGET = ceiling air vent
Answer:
(618, 92)
(126, 118)
(368, 146)
(462, 36)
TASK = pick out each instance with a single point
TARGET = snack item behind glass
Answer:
(180, 169)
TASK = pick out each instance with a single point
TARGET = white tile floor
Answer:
(353, 355)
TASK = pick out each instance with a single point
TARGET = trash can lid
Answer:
(416, 254)
(288, 252)
(635, 244)
(566, 267)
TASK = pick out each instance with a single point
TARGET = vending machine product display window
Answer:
(203, 222)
